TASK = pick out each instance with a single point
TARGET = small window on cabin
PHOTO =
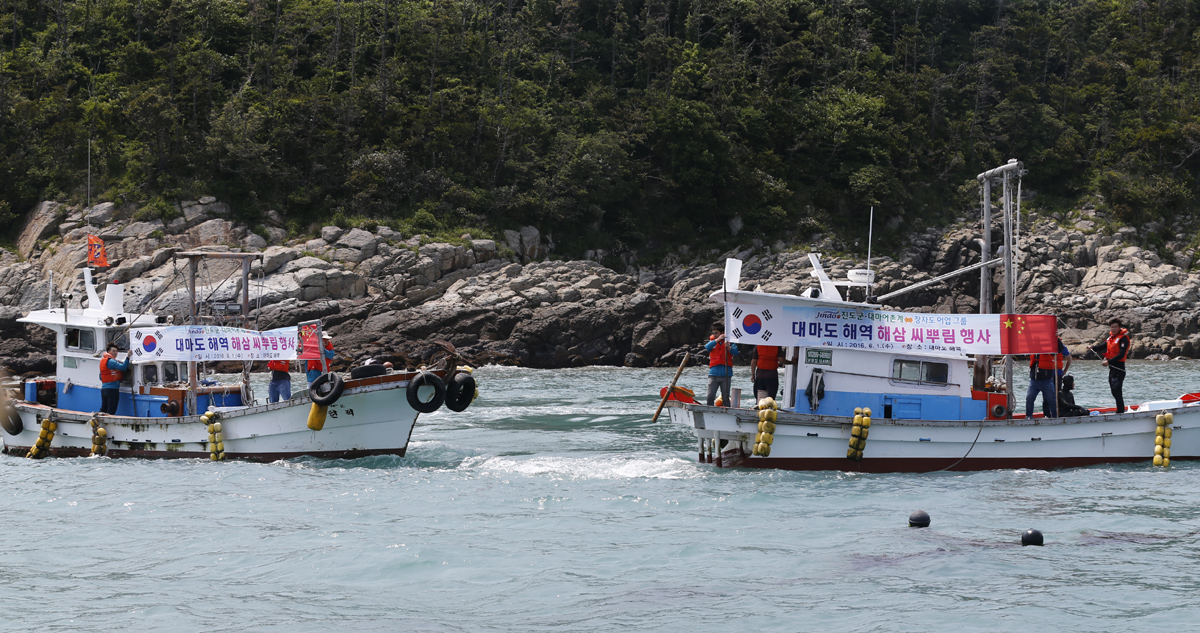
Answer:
(935, 372)
(82, 340)
(169, 373)
(149, 374)
(906, 370)
(69, 362)
(120, 337)
(183, 371)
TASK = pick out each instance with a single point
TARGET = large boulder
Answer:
(41, 222)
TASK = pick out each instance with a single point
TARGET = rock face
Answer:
(388, 298)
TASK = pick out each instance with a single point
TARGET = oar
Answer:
(686, 357)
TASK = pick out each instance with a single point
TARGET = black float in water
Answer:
(918, 519)
(1031, 537)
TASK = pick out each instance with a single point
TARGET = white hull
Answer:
(814, 442)
(366, 420)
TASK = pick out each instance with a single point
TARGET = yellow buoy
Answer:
(866, 412)
(101, 432)
(768, 439)
(1167, 431)
(52, 426)
(1166, 462)
(43, 433)
(1167, 443)
(858, 455)
(864, 434)
(1170, 418)
(220, 447)
(212, 447)
(211, 430)
(772, 415)
(1158, 450)
(220, 437)
(212, 456)
(1160, 419)
(758, 438)
(216, 427)
(212, 437)
(316, 417)
(866, 423)
(849, 453)
(1160, 431)
(857, 411)
(858, 419)
(766, 450)
(1166, 453)
(1158, 441)
(221, 456)
(855, 431)
(771, 403)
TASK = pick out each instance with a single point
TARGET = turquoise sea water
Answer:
(553, 504)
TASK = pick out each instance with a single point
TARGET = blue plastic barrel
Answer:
(31, 391)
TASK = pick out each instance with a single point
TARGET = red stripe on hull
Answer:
(248, 457)
(924, 465)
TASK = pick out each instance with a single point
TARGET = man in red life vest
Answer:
(1116, 352)
(1044, 373)
(764, 369)
(314, 366)
(280, 387)
(111, 373)
(720, 364)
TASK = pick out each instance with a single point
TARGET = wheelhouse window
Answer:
(83, 340)
(149, 374)
(120, 337)
(169, 372)
(919, 371)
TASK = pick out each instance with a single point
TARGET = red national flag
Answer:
(309, 349)
(96, 255)
(1028, 334)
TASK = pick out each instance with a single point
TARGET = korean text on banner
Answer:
(810, 326)
(212, 343)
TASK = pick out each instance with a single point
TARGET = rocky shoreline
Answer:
(389, 296)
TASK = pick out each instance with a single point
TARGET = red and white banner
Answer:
(808, 326)
(212, 343)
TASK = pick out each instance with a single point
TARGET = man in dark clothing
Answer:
(1115, 351)
(1066, 399)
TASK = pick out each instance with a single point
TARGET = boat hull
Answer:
(812, 442)
(366, 420)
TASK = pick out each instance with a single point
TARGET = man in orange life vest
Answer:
(1044, 373)
(764, 369)
(1116, 352)
(280, 387)
(720, 364)
(111, 373)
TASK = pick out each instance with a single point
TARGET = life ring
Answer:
(460, 392)
(1000, 411)
(426, 379)
(10, 420)
(333, 385)
(368, 371)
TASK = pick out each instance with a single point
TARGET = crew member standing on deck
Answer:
(314, 365)
(111, 373)
(720, 364)
(1116, 352)
(280, 387)
(1044, 373)
(764, 369)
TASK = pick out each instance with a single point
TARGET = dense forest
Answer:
(618, 124)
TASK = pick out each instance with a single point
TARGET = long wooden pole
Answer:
(686, 357)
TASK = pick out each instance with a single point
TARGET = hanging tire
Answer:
(429, 379)
(326, 389)
(368, 371)
(460, 392)
(1000, 411)
(10, 420)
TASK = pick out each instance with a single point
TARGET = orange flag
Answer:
(96, 254)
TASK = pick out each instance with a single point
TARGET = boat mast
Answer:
(1006, 171)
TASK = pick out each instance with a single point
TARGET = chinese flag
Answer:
(1028, 334)
(95, 254)
(309, 349)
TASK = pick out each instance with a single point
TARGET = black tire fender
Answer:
(10, 420)
(460, 392)
(335, 385)
(439, 392)
(368, 371)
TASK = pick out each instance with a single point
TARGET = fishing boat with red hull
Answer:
(871, 390)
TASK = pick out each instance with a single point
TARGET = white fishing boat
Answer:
(167, 409)
(878, 391)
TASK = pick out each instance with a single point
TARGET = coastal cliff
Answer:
(390, 296)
